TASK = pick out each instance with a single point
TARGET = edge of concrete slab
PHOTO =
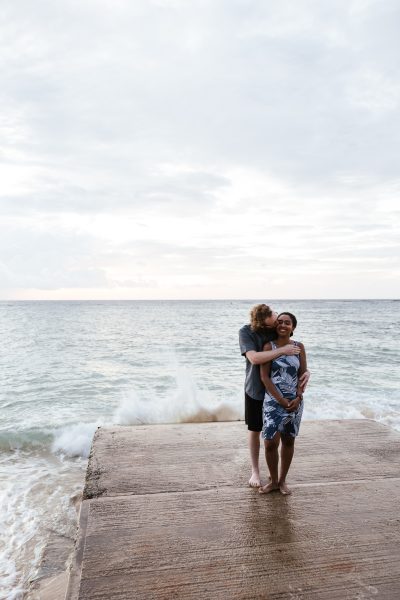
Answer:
(75, 569)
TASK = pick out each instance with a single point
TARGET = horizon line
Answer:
(191, 299)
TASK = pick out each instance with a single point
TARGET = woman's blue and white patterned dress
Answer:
(284, 375)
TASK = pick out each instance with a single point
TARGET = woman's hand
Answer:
(294, 404)
(283, 402)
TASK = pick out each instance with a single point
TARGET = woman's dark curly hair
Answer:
(258, 314)
(292, 318)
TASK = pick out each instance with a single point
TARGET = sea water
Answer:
(69, 367)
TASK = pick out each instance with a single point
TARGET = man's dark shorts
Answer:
(253, 413)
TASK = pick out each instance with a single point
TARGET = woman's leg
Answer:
(272, 458)
(287, 450)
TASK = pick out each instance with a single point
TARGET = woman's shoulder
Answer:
(267, 346)
(299, 344)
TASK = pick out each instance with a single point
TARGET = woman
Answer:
(283, 403)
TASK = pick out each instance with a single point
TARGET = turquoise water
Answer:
(70, 366)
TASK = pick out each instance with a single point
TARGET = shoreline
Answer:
(51, 579)
(49, 588)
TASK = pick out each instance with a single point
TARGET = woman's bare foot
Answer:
(270, 487)
(254, 480)
(283, 488)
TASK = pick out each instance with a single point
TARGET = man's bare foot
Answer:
(270, 487)
(254, 480)
(283, 488)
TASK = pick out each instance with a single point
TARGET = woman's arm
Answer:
(265, 371)
(303, 377)
(302, 370)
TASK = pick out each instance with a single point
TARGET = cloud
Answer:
(213, 140)
(293, 85)
(46, 261)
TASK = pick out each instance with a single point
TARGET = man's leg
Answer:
(254, 421)
(287, 450)
(254, 445)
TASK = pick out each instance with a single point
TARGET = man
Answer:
(252, 339)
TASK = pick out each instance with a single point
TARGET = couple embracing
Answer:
(276, 377)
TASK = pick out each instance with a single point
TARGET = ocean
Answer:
(69, 367)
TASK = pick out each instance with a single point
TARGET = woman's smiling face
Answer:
(285, 324)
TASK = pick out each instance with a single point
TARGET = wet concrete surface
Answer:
(168, 514)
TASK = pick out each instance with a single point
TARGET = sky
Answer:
(199, 149)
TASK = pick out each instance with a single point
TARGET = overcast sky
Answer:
(199, 149)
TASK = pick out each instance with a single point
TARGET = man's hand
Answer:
(304, 380)
(294, 404)
(290, 350)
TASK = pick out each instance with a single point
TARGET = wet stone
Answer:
(175, 518)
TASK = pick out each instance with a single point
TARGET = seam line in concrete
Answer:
(229, 487)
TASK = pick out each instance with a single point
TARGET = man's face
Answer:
(270, 322)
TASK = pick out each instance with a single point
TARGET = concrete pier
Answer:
(167, 514)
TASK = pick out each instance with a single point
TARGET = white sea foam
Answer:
(187, 403)
(21, 518)
(33, 504)
(329, 411)
(75, 440)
